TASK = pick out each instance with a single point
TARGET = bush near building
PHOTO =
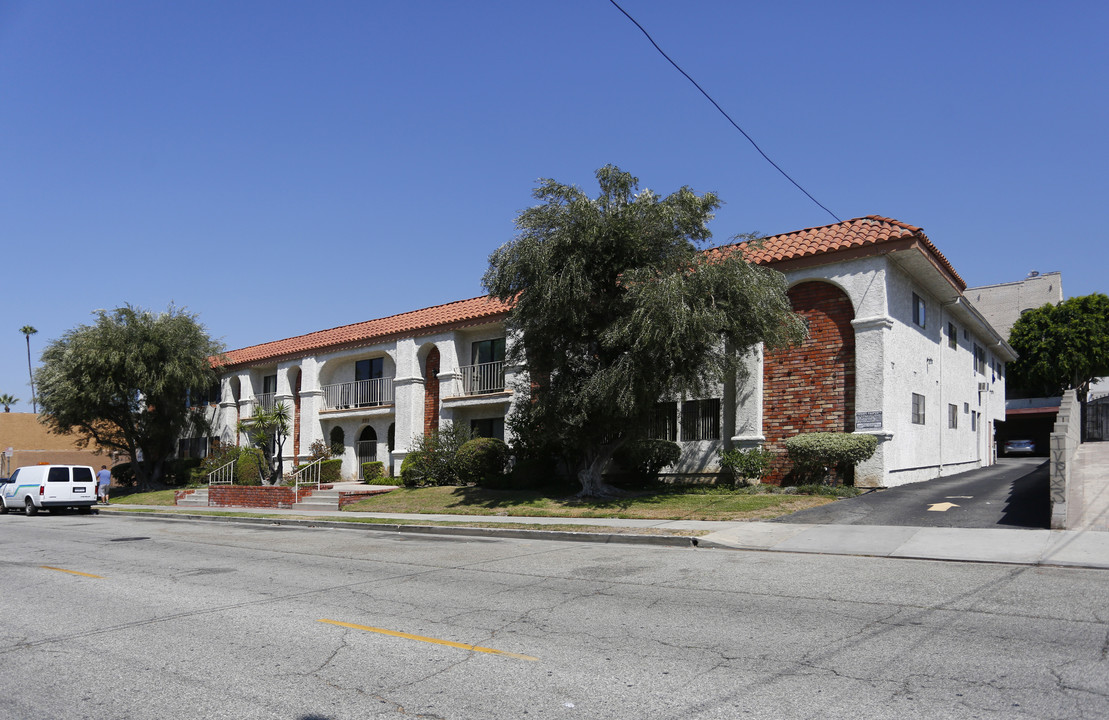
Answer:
(815, 455)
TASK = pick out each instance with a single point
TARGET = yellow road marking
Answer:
(941, 507)
(436, 641)
(71, 572)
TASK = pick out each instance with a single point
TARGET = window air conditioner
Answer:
(983, 387)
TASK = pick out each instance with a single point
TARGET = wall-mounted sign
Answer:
(868, 420)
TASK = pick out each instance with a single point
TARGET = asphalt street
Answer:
(1013, 494)
(117, 617)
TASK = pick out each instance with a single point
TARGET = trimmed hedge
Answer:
(482, 461)
(813, 454)
(331, 471)
(373, 473)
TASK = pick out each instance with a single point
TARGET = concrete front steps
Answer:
(313, 499)
(197, 498)
(336, 495)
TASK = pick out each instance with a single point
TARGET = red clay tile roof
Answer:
(455, 314)
(860, 234)
(830, 239)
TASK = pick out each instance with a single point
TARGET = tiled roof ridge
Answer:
(828, 239)
(846, 235)
(298, 344)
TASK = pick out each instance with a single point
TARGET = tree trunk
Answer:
(592, 480)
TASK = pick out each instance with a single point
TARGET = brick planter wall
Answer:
(348, 498)
(250, 496)
(811, 387)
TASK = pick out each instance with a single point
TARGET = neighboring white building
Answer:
(895, 350)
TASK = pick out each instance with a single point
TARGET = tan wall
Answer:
(32, 444)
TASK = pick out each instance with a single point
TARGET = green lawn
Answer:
(689, 504)
(155, 497)
(696, 503)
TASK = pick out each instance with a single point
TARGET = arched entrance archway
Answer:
(810, 387)
(366, 447)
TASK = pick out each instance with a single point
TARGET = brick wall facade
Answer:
(811, 387)
(431, 392)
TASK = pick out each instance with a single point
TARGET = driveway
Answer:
(1012, 493)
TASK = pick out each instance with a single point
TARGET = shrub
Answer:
(374, 473)
(320, 450)
(248, 467)
(644, 459)
(331, 471)
(814, 454)
(482, 461)
(415, 470)
(746, 465)
(433, 459)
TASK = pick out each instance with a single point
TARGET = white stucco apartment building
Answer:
(895, 349)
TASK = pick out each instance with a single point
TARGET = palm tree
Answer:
(7, 401)
(28, 331)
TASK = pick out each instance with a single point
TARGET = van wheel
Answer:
(3, 508)
(85, 509)
(30, 507)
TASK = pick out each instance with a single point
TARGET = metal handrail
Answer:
(263, 400)
(482, 379)
(360, 393)
(223, 475)
(307, 475)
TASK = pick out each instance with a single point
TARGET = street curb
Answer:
(684, 541)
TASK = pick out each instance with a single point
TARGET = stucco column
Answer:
(408, 399)
(744, 394)
(871, 338)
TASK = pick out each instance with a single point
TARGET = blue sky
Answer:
(285, 167)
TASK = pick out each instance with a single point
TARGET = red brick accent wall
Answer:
(250, 496)
(811, 387)
(431, 392)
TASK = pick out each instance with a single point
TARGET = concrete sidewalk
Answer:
(1077, 548)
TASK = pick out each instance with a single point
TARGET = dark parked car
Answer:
(1020, 447)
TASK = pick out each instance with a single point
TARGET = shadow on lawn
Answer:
(562, 496)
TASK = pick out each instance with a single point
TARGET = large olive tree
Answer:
(615, 307)
(123, 382)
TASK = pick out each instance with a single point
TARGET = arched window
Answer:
(338, 440)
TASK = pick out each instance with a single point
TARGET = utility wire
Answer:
(717, 106)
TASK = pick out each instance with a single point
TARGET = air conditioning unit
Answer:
(983, 387)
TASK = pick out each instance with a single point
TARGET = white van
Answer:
(56, 487)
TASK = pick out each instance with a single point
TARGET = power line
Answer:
(717, 106)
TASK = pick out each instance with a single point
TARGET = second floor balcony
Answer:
(358, 394)
(483, 379)
(262, 401)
